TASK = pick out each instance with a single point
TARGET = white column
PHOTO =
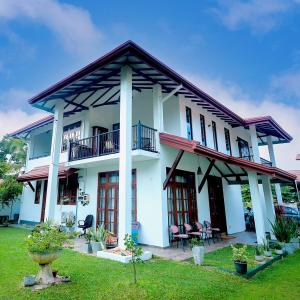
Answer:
(257, 207)
(158, 122)
(254, 143)
(270, 211)
(86, 130)
(51, 199)
(273, 160)
(125, 163)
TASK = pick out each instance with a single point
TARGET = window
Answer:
(71, 133)
(214, 131)
(38, 189)
(67, 190)
(227, 141)
(203, 131)
(244, 150)
(189, 126)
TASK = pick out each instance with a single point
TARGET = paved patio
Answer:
(178, 254)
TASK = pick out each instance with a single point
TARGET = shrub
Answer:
(196, 242)
(284, 229)
(259, 250)
(45, 238)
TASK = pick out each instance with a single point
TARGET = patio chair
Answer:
(189, 231)
(85, 224)
(216, 232)
(206, 234)
(178, 236)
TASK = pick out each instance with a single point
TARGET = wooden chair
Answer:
(216, 232)
(178, 236)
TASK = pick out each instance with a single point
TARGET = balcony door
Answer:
(182, 203)
(108, 200)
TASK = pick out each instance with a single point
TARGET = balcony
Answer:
(262, 160)
(143, 138)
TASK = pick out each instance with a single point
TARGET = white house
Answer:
(129, 140)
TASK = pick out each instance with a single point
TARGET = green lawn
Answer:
(94, 278)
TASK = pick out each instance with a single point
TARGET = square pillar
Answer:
(125, 161)
(270, 211)
(273, 160)
(254, 143)
(52, 187)
(158, 122)
(257, 207)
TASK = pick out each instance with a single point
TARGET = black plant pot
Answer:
(240, 267)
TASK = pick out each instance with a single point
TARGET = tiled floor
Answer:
(178, 254)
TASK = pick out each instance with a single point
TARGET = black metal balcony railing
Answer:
(143, 137)
(262, 160)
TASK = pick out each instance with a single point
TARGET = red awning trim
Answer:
(195, 148)
(41, 173)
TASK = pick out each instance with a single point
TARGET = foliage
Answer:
(266, 245)
(196, 242)
(278, 246)
(259, 250)
(239, 253)
(12, 150)
(99, 234)
(70, 220)
(284, 229)
(10, 189)
(45, 238)
(135, 251)
(88, 235)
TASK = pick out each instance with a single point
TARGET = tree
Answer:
(10, 189)
(12, 150)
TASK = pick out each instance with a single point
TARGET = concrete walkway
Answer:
(178, 254)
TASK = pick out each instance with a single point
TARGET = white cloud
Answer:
(288, 83)
(260, 16)
(287, 116)
(12, 120)
(72, 25)
(14, 97)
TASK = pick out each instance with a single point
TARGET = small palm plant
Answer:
(135, 252)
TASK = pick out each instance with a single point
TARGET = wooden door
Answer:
(44, 201)
(216, 203)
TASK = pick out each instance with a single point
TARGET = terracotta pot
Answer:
(43, 258)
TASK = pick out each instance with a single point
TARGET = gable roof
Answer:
(97, 84)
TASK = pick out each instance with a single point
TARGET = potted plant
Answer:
(240, 258)
(98, 238)
(44, 245)
(198, 250)
(70, 222)
(88, 238)
(278, 249)
(259, 253)
(266, 246)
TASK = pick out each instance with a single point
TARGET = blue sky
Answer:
(245, 53)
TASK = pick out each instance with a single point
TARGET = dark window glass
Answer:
(214, 130)
(203, 131)
(189, 126)
(244, 150)
(67, 190)
(71, 133)
(227, 141)
(38, 188)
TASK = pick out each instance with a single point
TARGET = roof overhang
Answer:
(233, 169)
(42, 172)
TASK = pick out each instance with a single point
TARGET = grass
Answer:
(222, 259)
(94, 278)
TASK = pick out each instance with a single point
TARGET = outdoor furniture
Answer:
(85, 224)
(189, 231)
(216, 232)
(206, 234)
(178, 236)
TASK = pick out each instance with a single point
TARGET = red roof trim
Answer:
(195, 147)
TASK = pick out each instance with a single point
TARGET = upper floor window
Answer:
(71, 133)
(67, 190)
(38, 189)
(214, 131)
(244, 150)
(203, 131)
(189, 126)
(227, 141)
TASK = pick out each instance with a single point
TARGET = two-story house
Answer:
(129, 140)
